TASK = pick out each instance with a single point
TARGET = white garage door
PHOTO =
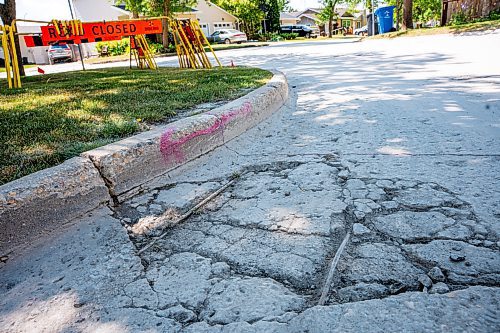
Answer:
(204, 28)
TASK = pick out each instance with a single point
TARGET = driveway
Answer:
(369, 203)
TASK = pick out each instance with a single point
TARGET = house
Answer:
(210, 17)
(306, 17)
(289, 18)
(345, 18)
(350, 19)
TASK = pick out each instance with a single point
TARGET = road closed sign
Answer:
(99, 31)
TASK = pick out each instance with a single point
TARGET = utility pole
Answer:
(79, 45)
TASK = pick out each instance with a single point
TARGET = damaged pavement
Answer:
(420, 230)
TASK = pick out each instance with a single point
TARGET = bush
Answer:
(494, 15)
(157, 48)
(459, 19)
(462, 18)
(274, 36)
(289, 36)
(118, 47)
(269, 36)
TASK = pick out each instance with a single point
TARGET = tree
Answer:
(8, 15)
(271, 10)
(328, 13)
(168, 8)
(422, 10)
(407, 15)
(247, 11)
(135, 6)
(252, 12)
(425, 10)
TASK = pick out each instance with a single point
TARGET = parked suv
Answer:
(59, 52)
(301, 30)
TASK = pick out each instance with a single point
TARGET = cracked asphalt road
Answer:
(395, 143)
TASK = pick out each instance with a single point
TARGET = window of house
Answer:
(223, 25)
(346, 23)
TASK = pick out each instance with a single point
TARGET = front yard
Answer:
(55, 117)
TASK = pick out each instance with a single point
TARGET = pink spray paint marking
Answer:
(172, 149)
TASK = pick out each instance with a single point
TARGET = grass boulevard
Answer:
(56, 117)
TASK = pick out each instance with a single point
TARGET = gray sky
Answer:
(303, 4)
(45, 10)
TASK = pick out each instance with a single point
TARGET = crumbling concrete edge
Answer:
(41, 203)
(129, 163)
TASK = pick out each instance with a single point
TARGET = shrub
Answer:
(157, 48)
(459, 19)
(289, 36)
(275, 37)
(494, 15)
(269, 36)
(462, 18)
(118, 47)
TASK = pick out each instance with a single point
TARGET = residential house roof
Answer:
(221, 9)
(311, 16)
(316, 10)
(284, 15)
(311, 13)
(343, 12)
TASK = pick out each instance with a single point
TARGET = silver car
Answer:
(228, 36)
(59, 52)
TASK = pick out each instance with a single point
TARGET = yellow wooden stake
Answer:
(15, 64)
(6, 52)
(207, 43)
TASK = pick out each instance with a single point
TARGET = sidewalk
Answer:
(388, 147)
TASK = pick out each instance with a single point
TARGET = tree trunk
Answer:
(407, 15)
(135, 15)
(397, 15)
(8, 14)
(165, 23)
(330, 26)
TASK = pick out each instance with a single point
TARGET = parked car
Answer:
(361, 31)
(228, 36)
(301, 30)
(59, 52)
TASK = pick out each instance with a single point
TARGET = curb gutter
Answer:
(44, 201)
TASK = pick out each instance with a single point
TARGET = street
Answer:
(381, 176)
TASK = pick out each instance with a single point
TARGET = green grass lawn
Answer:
(55, 117)
(469, 27)
(2, 69)
(215, 47)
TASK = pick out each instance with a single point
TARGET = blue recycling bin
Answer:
(385, 18)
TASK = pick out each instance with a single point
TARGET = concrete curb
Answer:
(131, 162)
(44, 201)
